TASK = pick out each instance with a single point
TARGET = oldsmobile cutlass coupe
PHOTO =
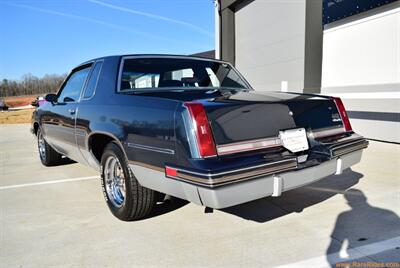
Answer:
(192, 128)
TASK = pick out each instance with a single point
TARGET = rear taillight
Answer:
(343, 114)
(202, 130)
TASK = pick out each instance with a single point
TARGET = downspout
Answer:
(217, 26)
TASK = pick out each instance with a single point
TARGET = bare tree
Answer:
(31, 85)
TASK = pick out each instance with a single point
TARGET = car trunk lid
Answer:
(259, 115)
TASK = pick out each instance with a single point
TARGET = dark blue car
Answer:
(192, 128)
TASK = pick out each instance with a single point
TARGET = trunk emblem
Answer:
(336, 118)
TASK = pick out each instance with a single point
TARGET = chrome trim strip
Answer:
(231, 176)
(236, 170)
(269, 169)
(249, 145)
(147, 166)
(257, 144)
(150, 148)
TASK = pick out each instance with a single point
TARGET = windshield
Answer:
(151, 73)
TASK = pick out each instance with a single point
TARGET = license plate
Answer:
(295, 140)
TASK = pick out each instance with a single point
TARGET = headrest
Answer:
(170, 83)
(125, 85)
(189, 80)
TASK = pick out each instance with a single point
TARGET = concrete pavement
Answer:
(354, 216)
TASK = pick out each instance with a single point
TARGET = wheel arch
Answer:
(97, 142)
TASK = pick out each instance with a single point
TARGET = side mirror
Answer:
(51, 98)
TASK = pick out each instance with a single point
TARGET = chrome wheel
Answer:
(41, 146)
(114, 179)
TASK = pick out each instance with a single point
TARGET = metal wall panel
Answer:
(269, 43)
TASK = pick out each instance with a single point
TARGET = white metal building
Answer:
(349, 49)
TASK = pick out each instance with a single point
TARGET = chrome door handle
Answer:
(71, 111)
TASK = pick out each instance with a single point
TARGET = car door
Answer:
(60, 127)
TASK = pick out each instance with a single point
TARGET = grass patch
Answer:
(16, 117)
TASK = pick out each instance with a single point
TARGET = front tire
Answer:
(125, 197)
(48, 156)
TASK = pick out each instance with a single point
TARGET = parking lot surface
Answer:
(57, 217)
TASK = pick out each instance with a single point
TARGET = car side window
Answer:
(92, 82)
(73, 86)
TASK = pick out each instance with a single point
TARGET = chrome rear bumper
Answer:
(274, 185)
(243, 187)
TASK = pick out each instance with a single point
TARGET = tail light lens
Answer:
(202, 129)
(171, 172)
(343, 114)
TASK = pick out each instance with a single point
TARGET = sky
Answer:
(53, 36)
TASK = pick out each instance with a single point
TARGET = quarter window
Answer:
(92, 83)
(73, 86)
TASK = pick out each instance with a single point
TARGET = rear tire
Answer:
(125, 197)
(48, 156)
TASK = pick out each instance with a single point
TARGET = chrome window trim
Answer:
(97, 80)
(123, 58)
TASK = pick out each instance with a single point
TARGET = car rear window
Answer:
(149, 73)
